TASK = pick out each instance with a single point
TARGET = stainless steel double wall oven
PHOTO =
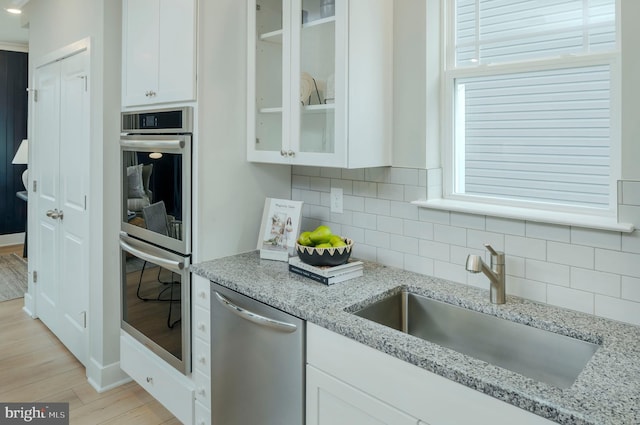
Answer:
(155, 236)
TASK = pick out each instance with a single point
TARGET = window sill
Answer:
(568, 219)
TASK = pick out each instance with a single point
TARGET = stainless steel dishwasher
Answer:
(257, 362)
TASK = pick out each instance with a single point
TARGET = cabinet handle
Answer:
(149, 379)
(202, 359)
(202, 327)
(202, 294)
(291, 153)
(202, 392)
(283, 153)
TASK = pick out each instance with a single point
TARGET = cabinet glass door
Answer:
(314, 107)
(272, 40)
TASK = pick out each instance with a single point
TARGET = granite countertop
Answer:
(607, 392)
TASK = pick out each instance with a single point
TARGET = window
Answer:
(531, 89)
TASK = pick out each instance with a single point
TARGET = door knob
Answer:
(55, 214)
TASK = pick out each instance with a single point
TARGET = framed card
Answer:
(279, 228)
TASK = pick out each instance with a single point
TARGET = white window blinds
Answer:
(536, 126)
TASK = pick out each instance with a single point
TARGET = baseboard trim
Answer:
(104, 378)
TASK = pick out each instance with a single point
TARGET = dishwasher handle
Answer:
(256, 318)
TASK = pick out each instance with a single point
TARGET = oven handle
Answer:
(152, 144)
(175, 266)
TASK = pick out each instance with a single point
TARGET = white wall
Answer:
(53, 25)
(230, 191)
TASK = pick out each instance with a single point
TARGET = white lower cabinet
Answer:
(332, 402)
(201, 359)
(371, 387)
(171, 388)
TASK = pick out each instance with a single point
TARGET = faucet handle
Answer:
(490, 249)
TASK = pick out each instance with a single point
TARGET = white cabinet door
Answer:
(61, 153)
(158, 51)
(319, 82)
(332, 402)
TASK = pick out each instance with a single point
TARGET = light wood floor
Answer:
(35, 366)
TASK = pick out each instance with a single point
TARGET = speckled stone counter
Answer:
(607, 392)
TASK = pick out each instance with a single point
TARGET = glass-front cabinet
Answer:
(319, 82)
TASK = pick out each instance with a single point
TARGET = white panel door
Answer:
(62, 156)
(72, 201)
(46, 145)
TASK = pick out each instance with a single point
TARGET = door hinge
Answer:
(35, 94)
(35, 186)
(84, 77)
(35, 276)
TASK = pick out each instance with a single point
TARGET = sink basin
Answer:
(538, 354)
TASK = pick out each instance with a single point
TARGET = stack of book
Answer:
(326, 274)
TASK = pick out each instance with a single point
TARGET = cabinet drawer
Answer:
(201, 320)
(201, 289)
(172, 389)
(203, 389)
(203, 415)
(202, 357)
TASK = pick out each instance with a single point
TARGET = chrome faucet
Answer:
(495, 273)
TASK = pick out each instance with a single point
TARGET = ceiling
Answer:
(11, 31)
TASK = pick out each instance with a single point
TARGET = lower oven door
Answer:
(156, 294)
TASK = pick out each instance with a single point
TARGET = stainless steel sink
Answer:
(541, 355)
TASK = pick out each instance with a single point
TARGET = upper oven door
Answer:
(156, 189)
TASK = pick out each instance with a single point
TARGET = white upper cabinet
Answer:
(320, 82)
(158, 51)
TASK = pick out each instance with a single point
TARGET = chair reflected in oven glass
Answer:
(164, 287)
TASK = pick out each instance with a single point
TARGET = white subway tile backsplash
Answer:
(404, 244)
(377, 206)
(332, 173)
(470, 221)
(505, 225)
(449, 234)
(631, 288)
(617, 309)
(595, 281)
(345, 185)
(418, 229)
(390, 224)
(631, 192)
(403, 210)
(300, 182)
(366, 189)
(364, 220)
(418, 264)
(353, 203)
(377, 239)
(435, 250)
(435, 216)
(525, 247)
(453, 272)
(378, 175)
(551, 232)
(623, 263)
(514, 266)
(322, 184)
(586, 270)
(629, 214)
(572, 255)
(531, 290)
(413, 193)
(596, 238)
(394, 192)
(631, 242)
(404, 176)
(477, 238)
(353, 174)
(390, 258)
(542, 271)
(570, 298)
